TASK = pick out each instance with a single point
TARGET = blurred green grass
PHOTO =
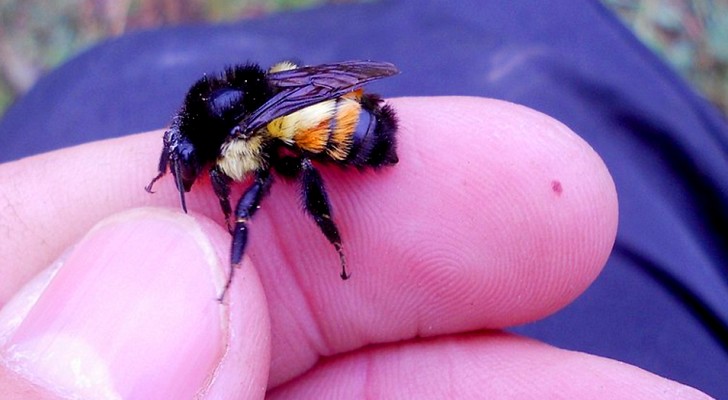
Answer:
(691, 35)
(35, 35)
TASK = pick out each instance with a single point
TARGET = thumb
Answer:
(131, 312)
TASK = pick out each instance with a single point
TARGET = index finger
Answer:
(496, 215)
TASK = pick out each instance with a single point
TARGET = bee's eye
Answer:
(185, 151)
(186, 167)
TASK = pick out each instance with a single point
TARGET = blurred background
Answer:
(36, 35)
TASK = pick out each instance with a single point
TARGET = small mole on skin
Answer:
(556, 187)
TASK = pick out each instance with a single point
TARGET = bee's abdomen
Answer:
(354, 129)
(373, 141)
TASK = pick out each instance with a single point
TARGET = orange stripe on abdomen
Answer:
(345, 120)
(315, 139)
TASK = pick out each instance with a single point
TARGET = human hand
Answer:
(495, 216)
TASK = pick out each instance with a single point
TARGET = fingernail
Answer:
(129, 312)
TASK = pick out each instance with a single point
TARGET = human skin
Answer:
(495, 216)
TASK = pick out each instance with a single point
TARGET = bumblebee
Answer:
(247, 122)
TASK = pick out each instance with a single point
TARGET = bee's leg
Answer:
(163, 163)
(221, 185)
(317, 205)
(247, 206)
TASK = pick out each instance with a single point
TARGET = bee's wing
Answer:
(306, 86)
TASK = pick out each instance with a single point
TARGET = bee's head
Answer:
(179, 155)
(212, 107)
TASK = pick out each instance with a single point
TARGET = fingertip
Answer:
(135, 296)
(243, 371)
(498, 203)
